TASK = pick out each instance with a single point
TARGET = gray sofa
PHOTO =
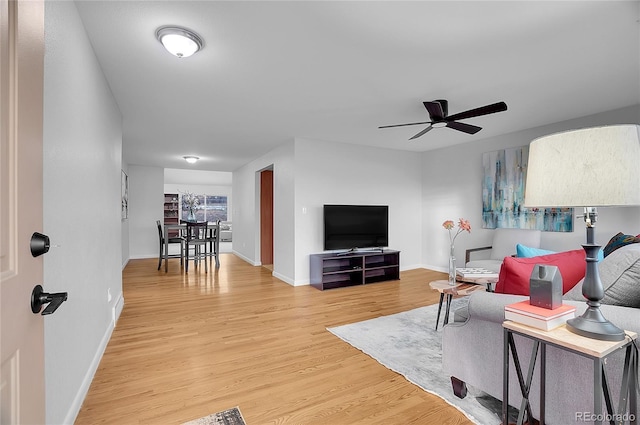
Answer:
(503, 245)
(472, 346)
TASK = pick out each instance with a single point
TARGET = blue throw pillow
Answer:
(523, 251)
(528, 252)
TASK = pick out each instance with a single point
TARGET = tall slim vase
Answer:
(452, 267)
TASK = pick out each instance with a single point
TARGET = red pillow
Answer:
(515, 272)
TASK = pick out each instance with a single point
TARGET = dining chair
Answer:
(213, 236)
(171, 240)
(195, 239)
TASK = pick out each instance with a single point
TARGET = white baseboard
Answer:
(117, 309)
(143, 256)
(416, 266)
(74, 409)
(285, 279)
(436, 268)
(247, 259)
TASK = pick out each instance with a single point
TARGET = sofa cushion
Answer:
(524, 251)
(493, 265)
(515, 272)
(618, 241)
(620, 277)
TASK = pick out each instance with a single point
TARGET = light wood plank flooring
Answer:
(190, 345)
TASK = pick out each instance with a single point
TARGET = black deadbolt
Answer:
(39, 244)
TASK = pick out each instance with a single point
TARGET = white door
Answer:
(22, 394)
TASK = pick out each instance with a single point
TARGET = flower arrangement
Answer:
(190, 200)
(463, 225)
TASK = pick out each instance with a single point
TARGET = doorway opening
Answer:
(266, 218)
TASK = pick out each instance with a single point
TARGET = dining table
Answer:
(182, 227)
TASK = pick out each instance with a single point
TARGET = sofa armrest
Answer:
(626, 318)
(467, 253)
(489, 306)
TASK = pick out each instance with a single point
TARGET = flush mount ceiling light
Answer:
(180, 42)
(191, 159)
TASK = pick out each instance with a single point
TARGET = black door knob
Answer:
(40, 298)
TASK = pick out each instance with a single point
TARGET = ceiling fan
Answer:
(438, 112)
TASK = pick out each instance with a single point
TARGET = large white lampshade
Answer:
(589, 168)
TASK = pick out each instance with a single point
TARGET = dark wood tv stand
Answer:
(337, 270)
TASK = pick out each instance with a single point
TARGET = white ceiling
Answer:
(336, 70)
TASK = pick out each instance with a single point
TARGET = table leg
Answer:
(543, 381)
(439, 309)
(633, 380)
(597, 388)
(446, 313)
(505, 376)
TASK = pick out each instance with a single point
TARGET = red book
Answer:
(525, 308)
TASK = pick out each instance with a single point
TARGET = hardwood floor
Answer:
(186, 346)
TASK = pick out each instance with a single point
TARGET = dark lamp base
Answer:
(593, 325)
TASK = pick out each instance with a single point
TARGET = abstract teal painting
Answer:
(504, 178)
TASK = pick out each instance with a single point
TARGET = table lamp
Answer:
(590, 168)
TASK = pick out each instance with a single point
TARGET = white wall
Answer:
(337, 173)
(146, 205)
(82, 166)
(309, 174)
(182, 176)
(452, 188)
(246, 214)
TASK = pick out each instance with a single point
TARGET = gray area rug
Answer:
(226, 417)
(408, 344)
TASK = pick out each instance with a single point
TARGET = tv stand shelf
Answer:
(337, 270)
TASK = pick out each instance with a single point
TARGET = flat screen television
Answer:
(356, 226)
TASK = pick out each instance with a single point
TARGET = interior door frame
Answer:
(266, 216)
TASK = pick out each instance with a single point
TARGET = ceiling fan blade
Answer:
(402, 125)
(483, 110)
(437, 110)
(422, 132)
(465, 128)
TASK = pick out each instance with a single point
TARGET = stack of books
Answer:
(476, 272)
(539, 317)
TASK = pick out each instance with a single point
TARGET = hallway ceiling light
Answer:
(191, 159)
(180, 42)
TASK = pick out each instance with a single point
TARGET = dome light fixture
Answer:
(178, 41)
(191, 159)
